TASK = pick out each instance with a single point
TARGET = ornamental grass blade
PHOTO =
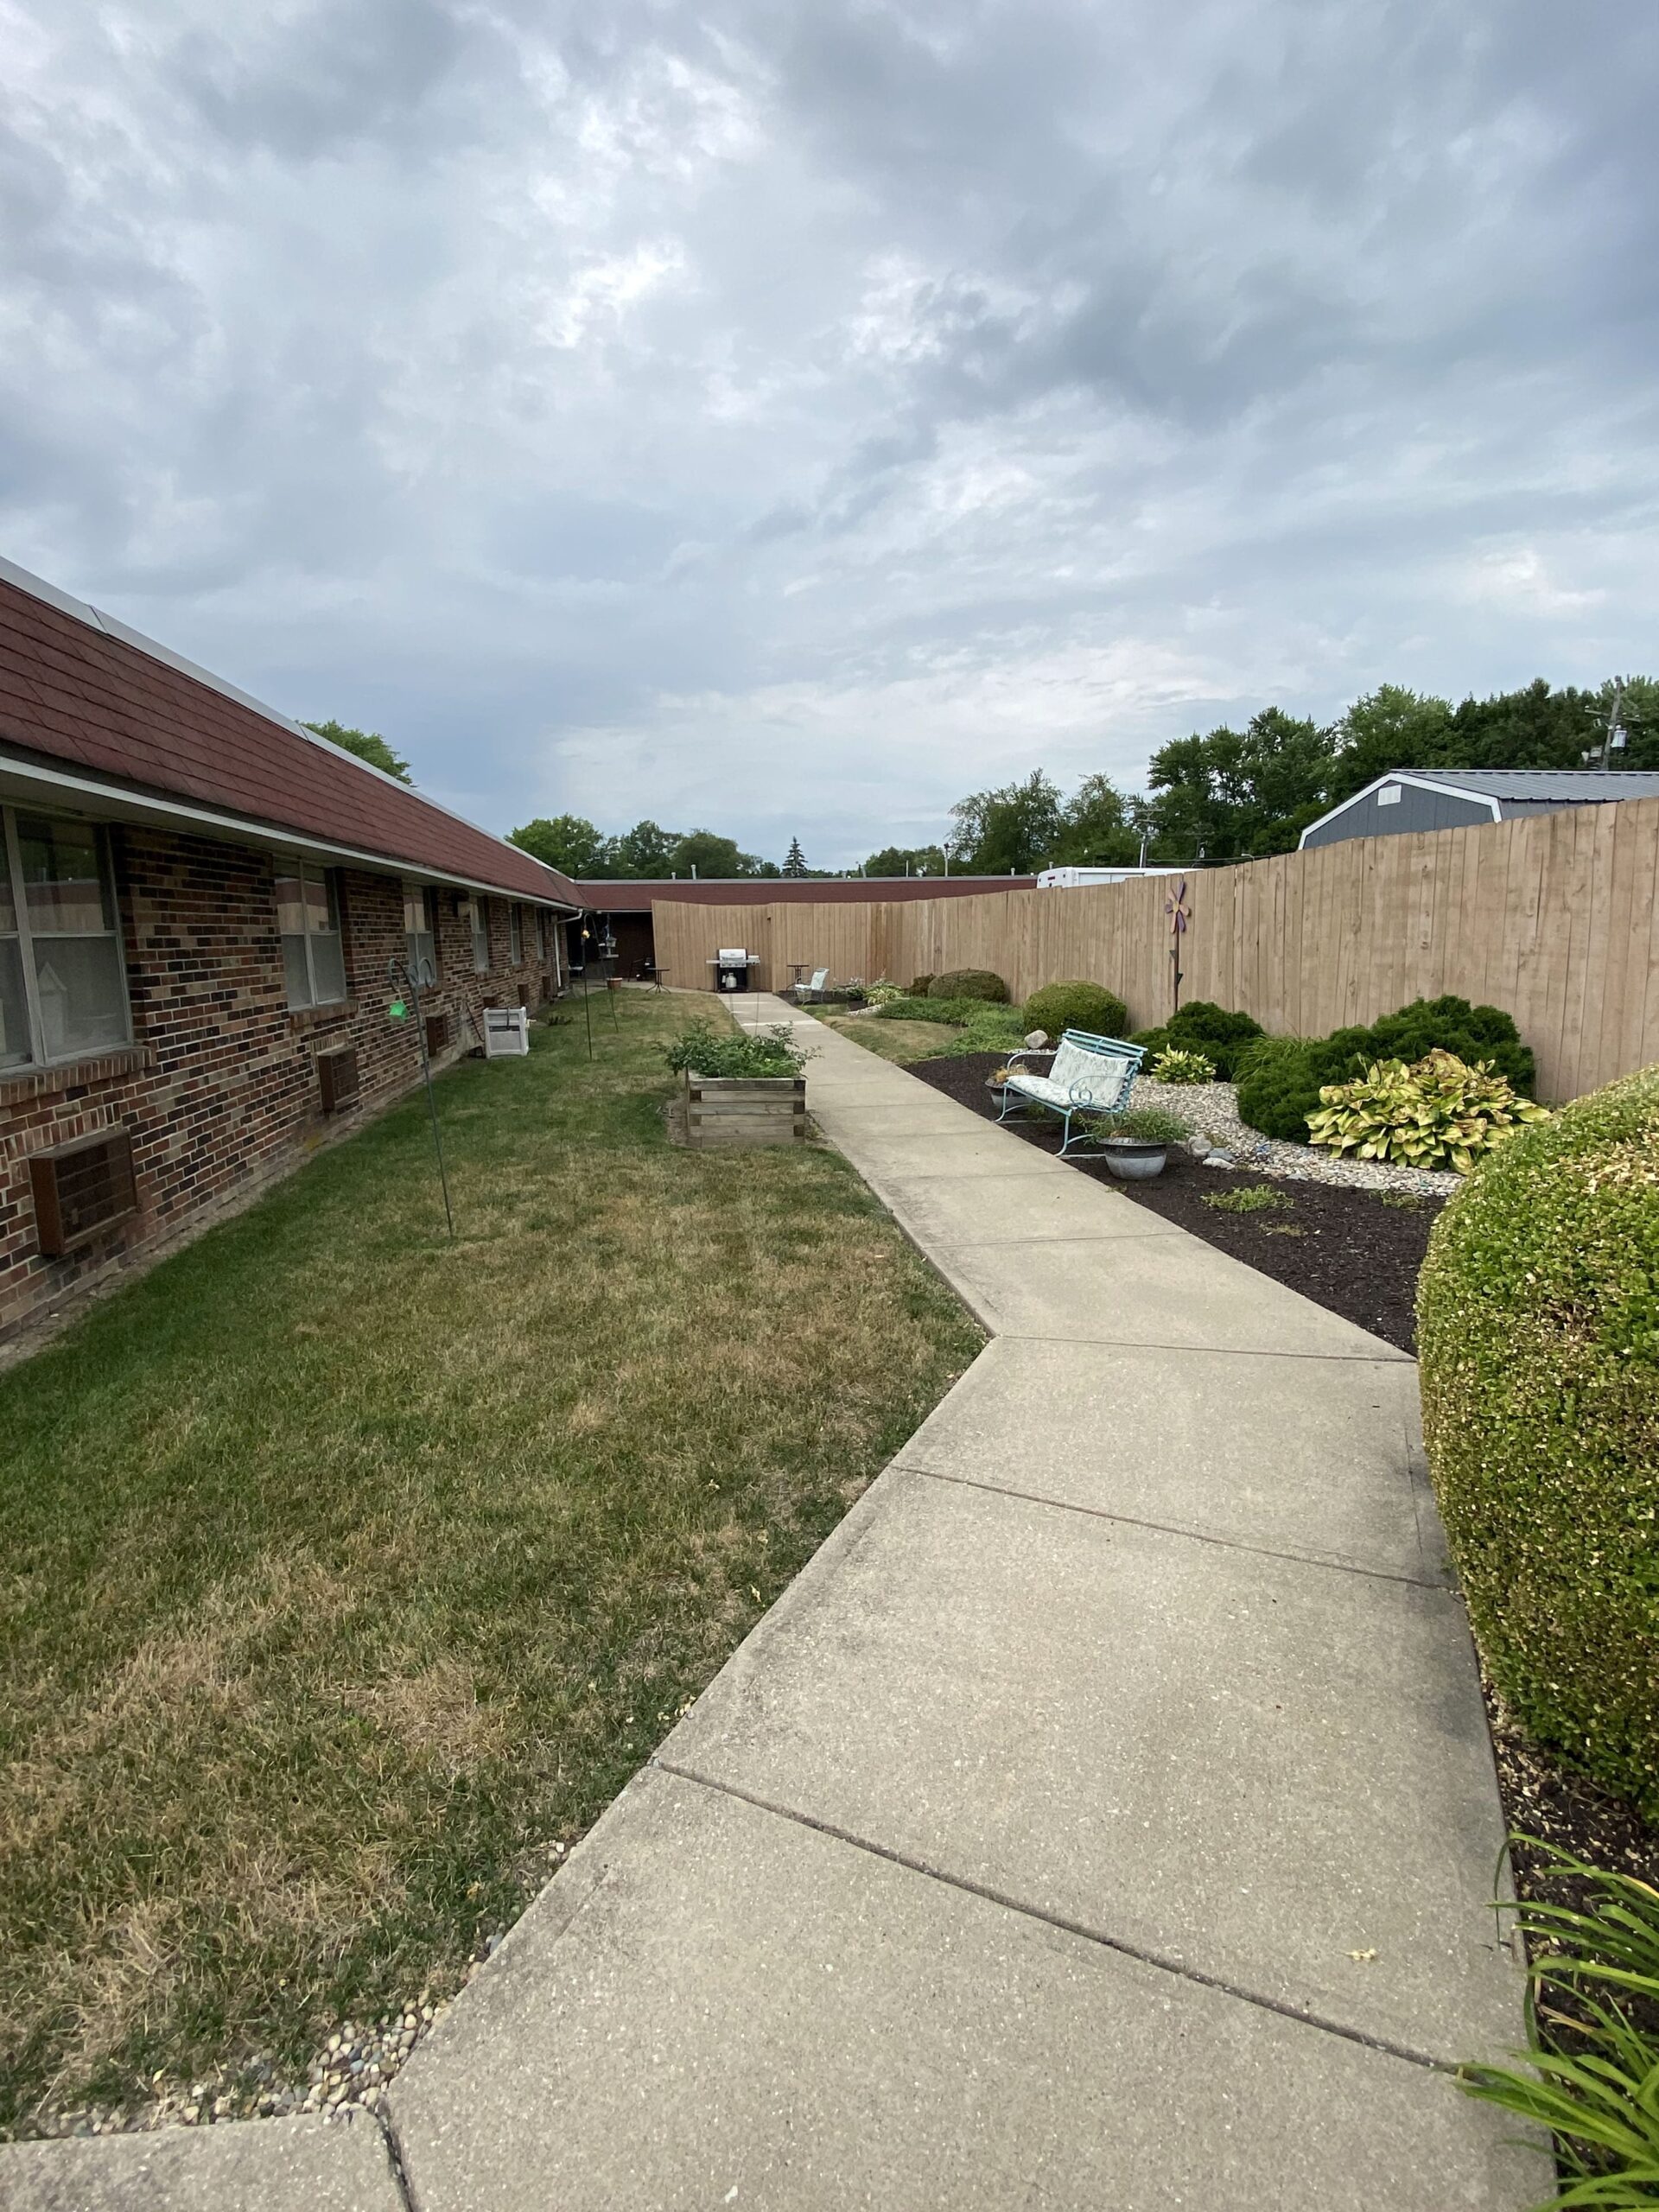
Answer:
(1593, 2081)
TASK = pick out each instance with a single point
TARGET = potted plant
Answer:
(1135, 1143)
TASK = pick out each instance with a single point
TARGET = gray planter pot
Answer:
(1132, 1159)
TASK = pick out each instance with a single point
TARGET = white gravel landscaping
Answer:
(1212, 1110)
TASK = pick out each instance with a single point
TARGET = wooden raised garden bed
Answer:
(744, 1110)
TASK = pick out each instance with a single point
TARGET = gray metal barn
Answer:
(1451, 798)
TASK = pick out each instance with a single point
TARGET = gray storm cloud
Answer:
(789, 417)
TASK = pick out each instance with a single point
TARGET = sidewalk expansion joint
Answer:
(1231, 1352)
(1172, 1529)
(394, 2159)
(1067, 1926)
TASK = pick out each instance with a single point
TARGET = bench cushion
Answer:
(1102, 1076)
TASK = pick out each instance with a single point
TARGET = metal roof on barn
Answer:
(1551, 786)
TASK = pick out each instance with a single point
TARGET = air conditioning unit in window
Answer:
(80, 1188)
(506, 1033)
(337, 1079)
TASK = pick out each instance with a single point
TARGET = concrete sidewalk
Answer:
(1104, 1821)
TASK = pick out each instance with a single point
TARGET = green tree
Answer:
(795, 859)
(367, 743)
(646, 850)
(907, 860)
(566, 843)
(1237, 795)
(1011, 830)
(711, 856)
(1097, 828)
(1389, 727)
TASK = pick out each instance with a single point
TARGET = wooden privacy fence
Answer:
(1552, 917)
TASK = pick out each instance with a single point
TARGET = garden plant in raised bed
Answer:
(707, 1050)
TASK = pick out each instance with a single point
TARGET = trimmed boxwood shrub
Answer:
(1539, 1341)
(919, 986)
(1278, 1088)
(1203, 1027)
(1077, 1005)
(969, 984)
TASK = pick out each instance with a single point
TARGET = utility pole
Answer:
(1615, 739)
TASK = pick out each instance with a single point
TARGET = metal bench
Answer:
(1091, 1074)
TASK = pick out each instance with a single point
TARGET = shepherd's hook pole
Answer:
(411, 977)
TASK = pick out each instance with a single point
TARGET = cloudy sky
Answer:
(785, 416)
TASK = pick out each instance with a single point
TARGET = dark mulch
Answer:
(1345, 1249)
(1361, 1258)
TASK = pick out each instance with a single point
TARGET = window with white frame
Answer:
(63, 991)
(308, 914)
(541, 936)
(480, 936)
(516, 935)
(421, 932)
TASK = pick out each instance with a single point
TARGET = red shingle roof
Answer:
(615, 896)
(105, 705)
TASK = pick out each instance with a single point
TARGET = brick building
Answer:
(200, 903)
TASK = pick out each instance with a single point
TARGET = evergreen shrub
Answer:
(1059, 1007)
(1538, 1337)
(969, 984)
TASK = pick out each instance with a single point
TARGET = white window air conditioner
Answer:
(506, 1033)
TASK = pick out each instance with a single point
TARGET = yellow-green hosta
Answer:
(1439, 1112)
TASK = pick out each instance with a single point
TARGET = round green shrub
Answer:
(1277, 1087)
(1202, 1026)
(1058, 1007)
(1279, 1078)
(919, 985)
(969, 984)
(1538, 1312)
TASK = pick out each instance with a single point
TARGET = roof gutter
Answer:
(108, 801)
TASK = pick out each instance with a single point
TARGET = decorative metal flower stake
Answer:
(1177, 910)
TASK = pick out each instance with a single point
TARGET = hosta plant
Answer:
(884, 993)
(1177, 1066)
(1439, 1112)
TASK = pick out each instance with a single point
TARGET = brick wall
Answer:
(219, 1092)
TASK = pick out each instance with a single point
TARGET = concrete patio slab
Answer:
(306, 2164)
(1016, 1209)
(1251, 1768)
(1149, 1290)
(1236, 1448)
(714, 2006)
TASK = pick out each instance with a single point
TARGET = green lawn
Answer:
(990, 1029)
(347, 1569)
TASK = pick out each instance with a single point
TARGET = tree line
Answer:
(1219, 795)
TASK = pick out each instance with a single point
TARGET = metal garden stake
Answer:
(398, 971)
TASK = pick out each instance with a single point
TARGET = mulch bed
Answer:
(1344, 1248)
(1360, 1258)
